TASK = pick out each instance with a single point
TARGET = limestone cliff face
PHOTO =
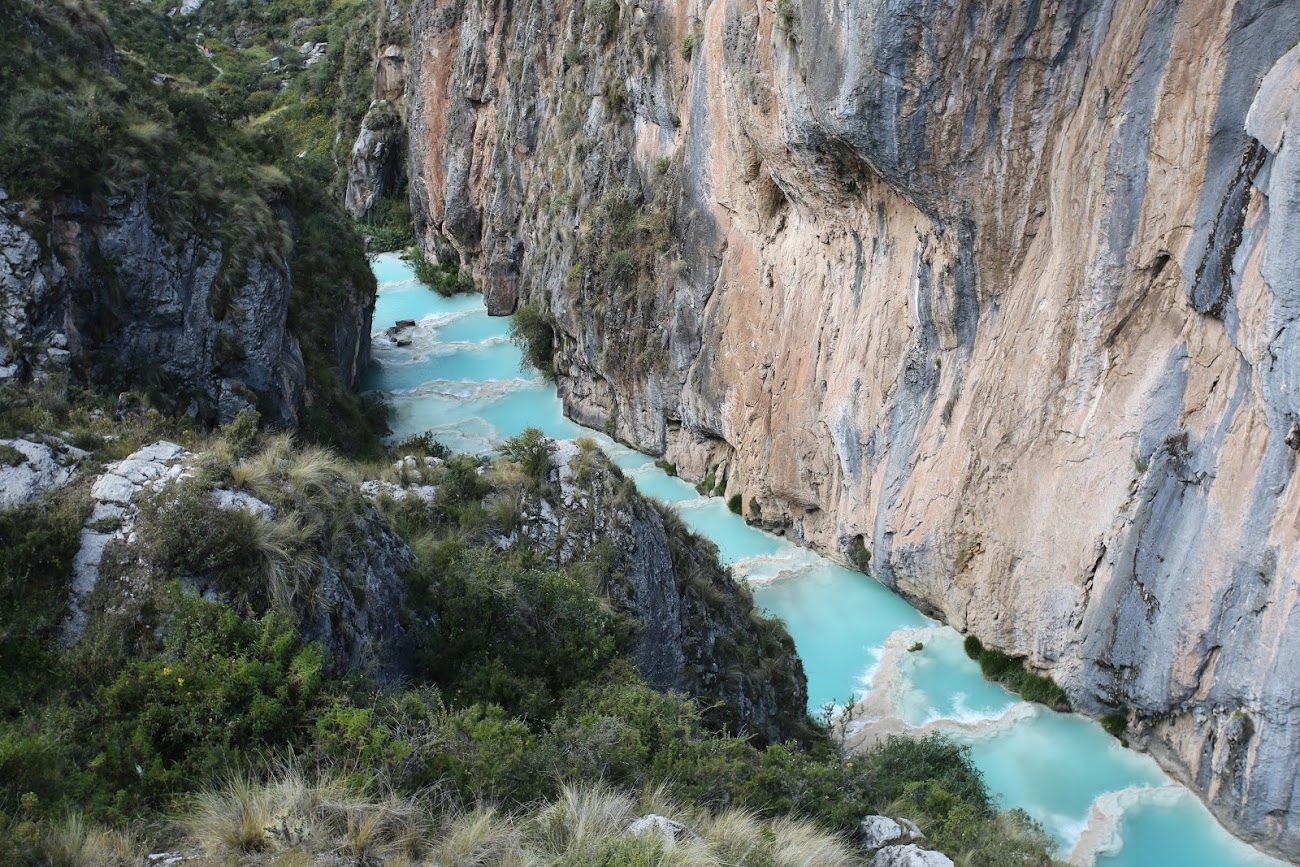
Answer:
(1003, 293)
(377, 166)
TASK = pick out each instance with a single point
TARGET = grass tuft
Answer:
(74, 843)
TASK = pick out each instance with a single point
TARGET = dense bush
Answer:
(37, 544)
(445, 278)
(390, 227)
(515, 634)
(1011, 673)
(533, 331)
(218, 688)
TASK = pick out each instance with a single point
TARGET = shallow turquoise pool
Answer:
(461, 378)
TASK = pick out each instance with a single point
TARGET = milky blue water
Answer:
(461, 379)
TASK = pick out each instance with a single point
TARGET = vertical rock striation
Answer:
(377, 166)
(1002, 295)
(117, 302)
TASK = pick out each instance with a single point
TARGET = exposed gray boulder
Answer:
(910, 855)
(240, 500)
(652, 825)
(44, 469)
(877, 831)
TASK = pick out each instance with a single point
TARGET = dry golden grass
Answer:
(73, 843)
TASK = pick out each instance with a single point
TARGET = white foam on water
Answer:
(984, 727)
(889, 688)
(473, 436)
(399, 284)
(1102, 832)
(424, 347)
(694, 503)
(428, 323)
(769, 568)
(866, 681)
(489, 390)
(964, 715)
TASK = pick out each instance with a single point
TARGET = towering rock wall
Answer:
(114, 300)
(377, 166)
(1001, 294)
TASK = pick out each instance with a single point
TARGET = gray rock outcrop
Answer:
(377, 167)
(999, 294)
(877, 831)
(357, 590)
(116, 505)
(378, 162)
(910, 855)
(43, 468)
(116, 299)
(699, 629)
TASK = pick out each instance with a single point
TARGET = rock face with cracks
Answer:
(116, 302)
(999, 294)
(699, 632)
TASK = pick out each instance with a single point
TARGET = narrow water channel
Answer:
(460, 378)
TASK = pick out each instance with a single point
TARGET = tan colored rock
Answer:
(1006, 291)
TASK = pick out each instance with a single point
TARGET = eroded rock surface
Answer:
(357, 591)
(910, 855)
(700, 633)
(42, 468)
(1002, 295)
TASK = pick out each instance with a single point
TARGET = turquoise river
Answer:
(460, 378)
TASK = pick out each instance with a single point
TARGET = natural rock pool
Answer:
(460, 377)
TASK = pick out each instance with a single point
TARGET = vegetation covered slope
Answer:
(521, 684)
(232, 695)
(145, 192)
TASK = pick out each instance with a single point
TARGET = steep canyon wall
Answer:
(1001, 295)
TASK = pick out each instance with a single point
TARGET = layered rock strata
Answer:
(997, 296)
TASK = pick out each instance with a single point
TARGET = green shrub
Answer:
(667, 467)
(422, 445)
(689, 43)
(860, 554)
(10, 456)
(534, 452)
(219, 687)
(1115, 724)
(37, 545)
(183, 532)
(533, 331)
(786, 14)
(445, 278)
(391, 227)
(1011, 673)
(516, 635)
(735, 504)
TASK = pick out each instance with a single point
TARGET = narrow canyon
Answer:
(995, 300)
